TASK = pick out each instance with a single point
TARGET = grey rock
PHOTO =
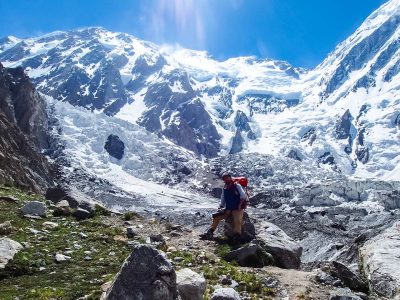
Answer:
(130, 232)
(82, 214)
(250, 255)
(191, 286)
(237, 143)
(324, 277)
(62, 209)
(114, 146)
(6, 228)
(381, 259)
(8, 248)
(327, 159)
(362, 154)
(348, 278)
(145, 274)
(225, 294)
(294, 155)
(342, 130)
(59, 258)
(285, 251)
(343, 294)
(34, 208)
(248, 229)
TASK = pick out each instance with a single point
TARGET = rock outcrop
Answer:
(285, 251)
(146, 274)
(381, 261)
(23, 133)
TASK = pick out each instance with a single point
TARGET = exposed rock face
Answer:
(248, 229)
(23, 132)
(23, 106)
(114, 146)
(344, 125)
(237, 143)
(242, 123)
(349, 279)
(146, 274)
(8, 248)
(285, 251)
(191, 286)
(380, 260)
(362, 154)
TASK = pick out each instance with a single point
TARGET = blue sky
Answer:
(302, 32)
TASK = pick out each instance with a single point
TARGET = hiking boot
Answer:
(209, 235)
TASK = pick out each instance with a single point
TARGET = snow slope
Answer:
(344, 115)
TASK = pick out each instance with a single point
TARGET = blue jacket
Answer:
(232, 204)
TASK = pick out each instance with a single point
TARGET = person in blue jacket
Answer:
(233, 199)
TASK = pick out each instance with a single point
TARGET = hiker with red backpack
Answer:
(233, 202)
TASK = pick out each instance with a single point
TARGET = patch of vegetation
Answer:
(185, 258)
(130, 215)
(248, 281)
(222, 250)
(101, 211)
(34, 274)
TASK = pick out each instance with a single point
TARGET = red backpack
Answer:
(243, 181)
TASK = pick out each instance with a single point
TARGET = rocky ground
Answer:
(61, 253)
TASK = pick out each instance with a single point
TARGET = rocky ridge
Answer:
(24, 133)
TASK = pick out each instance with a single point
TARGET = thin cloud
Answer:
(185, 18)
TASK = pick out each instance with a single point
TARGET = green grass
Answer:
(248, 280)
(68, 280)
(130, 215)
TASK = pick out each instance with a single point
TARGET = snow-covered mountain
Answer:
(344, 115)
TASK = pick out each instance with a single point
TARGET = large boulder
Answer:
(62, 209)
(349, 279)
(8, 248)
(225, 294)
(145, 274)
(381, 261)
(74, 197)
(34, 208)
(114, 146)
(285, 251)
(250, 255)
(191, 286)
(248, 229)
